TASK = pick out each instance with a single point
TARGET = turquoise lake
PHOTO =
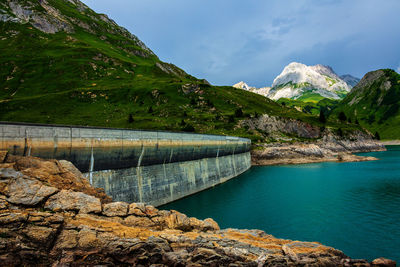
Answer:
(354, 207)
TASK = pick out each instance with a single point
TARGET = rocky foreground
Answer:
(326, 150)
(51, 216)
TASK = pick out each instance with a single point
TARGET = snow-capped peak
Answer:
(242, 85)
(297, 79)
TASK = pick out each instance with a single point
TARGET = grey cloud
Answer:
(226, 41)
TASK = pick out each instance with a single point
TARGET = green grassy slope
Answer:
(313, 108)
(95, 73)
(375, 103)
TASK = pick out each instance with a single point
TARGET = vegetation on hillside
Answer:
(96, 73)
(375, 104)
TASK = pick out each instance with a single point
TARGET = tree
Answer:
(340, 132)
(322, 117)
(238, 112)
(130, 119)
(377, 136)
(188, 128)
(342, 116)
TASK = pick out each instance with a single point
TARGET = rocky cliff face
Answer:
(50, 216)
(272, 127)
(47, 18)
(350, 80)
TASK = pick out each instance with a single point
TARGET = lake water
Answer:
(354, 207)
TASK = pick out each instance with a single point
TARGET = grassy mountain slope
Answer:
(313, 108)
(375, 103)
(63, 63)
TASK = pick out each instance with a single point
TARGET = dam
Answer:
(154, 167)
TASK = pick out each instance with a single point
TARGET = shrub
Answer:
(130, 118)
(377, 136)
(342, 116)
(188, 128)
(322, 117)
(238, 112)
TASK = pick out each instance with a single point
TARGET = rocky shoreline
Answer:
(391, 142)
(51, 216)
(327, 150)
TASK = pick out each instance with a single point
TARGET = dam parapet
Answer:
(154, 167)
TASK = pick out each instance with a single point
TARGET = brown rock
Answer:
(210, 224)
(27, 191)
(13, 218)
(135, 221)
(177, 220)
(73, 201)
(59, 174)
(39, 234)
(88, 239)
(138, 209)
(67, 166)
(67, 239)
(382, 262)
(3, 202)
(45, 166)
(151, 211)
(3, 155)
(115, 209)
(45, 219)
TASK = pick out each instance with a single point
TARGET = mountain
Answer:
(63, 63)
(308, 83)
(375, 103)
(350, 80)
(261, 91)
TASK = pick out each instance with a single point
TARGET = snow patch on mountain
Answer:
(261, 91)
(298, 80)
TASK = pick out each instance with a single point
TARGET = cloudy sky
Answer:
(226, 41)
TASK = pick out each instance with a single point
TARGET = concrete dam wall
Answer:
(135, 166)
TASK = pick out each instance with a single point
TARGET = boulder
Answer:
(87, 238)
(382, 262)
(134, 221)
(210, 224)
(115, 209)
(67, 200)
(7, 173)
(67, 239)
(138, 209)
(28, 192)
(177, 220)
(39, 235)
(151, 211)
